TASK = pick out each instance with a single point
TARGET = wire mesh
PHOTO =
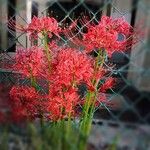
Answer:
(130, 99)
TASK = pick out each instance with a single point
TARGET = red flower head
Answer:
(25, 99)
(29, 61)
(110, 34)
(46, 25)
(71, 67)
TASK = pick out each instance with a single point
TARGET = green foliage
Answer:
(4, 140)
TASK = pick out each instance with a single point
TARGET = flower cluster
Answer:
(29, 61)
(64, 69)
(66, 82)
(26, 103)
(70, 68)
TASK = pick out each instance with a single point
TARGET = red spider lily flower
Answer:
(26, 99)
(110, 34)
(29, 61)
(47, 25)
(71, 67)
(109, 83)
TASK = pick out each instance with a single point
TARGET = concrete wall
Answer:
(139, 70)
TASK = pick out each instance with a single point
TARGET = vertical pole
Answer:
(11, 33)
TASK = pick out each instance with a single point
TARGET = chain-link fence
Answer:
(129, 113)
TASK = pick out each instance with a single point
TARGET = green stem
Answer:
(85, 114)
(68, 130)
(85, 126)
(47, 52)
(89, 105)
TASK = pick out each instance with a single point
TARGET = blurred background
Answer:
(126, 119)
